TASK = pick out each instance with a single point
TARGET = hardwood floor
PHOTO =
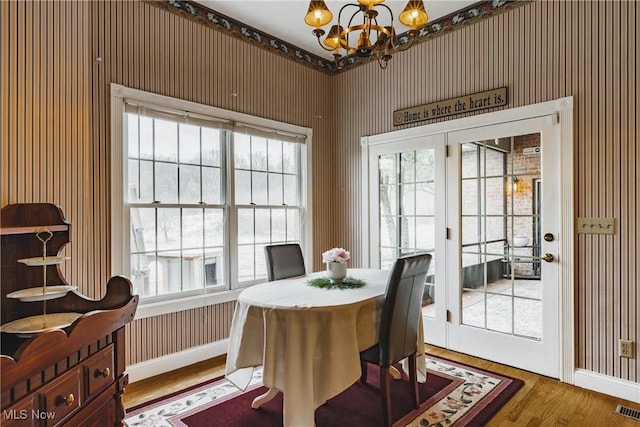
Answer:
(541, 401)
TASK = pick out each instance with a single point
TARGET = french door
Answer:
(407, 215)
(503, 276)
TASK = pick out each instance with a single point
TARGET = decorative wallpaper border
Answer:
(213, 19)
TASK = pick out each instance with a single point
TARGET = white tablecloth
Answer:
(307, 339)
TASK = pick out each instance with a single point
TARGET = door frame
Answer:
(562, 108)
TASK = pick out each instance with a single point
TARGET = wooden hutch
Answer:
(71, 375)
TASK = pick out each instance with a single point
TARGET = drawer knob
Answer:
(69, 399)
(103, 372)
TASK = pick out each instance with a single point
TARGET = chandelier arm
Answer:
(398, 48)
(348, 27)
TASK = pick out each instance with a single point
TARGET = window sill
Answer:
(175, 305)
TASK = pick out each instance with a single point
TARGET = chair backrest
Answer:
(400, 317)
(284, 261)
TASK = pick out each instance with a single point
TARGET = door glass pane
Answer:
(500, 237)
(407, 213)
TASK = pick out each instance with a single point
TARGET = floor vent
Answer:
(628, 412)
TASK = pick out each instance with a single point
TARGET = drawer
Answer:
(60, 398)
(19, 415)
(99, 372)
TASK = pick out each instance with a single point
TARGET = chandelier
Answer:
(373, 38)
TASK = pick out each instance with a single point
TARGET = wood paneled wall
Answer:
(541, 51)
(58, 60)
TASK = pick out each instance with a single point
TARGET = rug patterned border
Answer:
(460, 401)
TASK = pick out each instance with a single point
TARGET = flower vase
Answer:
(337, 271)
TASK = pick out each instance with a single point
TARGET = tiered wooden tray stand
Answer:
(54, 374)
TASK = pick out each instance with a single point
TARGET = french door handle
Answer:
(547, 257)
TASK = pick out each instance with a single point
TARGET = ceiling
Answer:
(284, 19)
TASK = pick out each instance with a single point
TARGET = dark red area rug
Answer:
(453, 395)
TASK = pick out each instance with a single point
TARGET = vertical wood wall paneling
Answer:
(541, 51)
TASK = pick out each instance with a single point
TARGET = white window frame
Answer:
(120, 257)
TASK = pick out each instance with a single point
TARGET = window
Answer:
(201, 196)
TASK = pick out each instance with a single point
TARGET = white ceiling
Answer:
(284, 19)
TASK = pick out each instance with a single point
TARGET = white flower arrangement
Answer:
(336, 255)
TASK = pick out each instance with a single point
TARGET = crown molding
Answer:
(237, 29)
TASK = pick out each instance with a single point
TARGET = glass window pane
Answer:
(211, 189)
(211, 146)
(213, 227)
(495, 227)
(214, 267)
(425, 233)
(263, 225)
(275, 155)
(278, 226)
(132, 135)
(246, 261)
(293, 225)
(192, 269)
(261, 263)
(258, 153)
(275, 189)
(189, 144)
(408, 166)
(192, 228)
(166, 177)
(495, 162)
(425, 165)
(133, 180)
(387, 257)
(528, 318)
(243, 187)
(389, 199)
(168, 220)
(259, 188)
(242, 151)
(469, 160)
(143, 273)
(291, 190)
(407, 232)
(145, 189)
(289, 157)
(473, 309)
(388, 231)
(472, 228)
(494, 196)
(143, 229)
(169, 267)
(146, 138)
(166, 140)
(245, 226)
(408, 194)
(189, 184)
(387, 169)
(425, 198)
(499, 313)
(472, 190)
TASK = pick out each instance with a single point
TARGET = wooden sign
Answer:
(449, 107)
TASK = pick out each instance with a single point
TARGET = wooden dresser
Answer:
(73, 375)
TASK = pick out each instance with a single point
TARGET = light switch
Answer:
(587, 225)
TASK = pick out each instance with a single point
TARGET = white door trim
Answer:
(563, 108)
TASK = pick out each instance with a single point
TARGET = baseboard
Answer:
(160, 365)
(608, 385)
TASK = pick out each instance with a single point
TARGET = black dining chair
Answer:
(284, 261)
(399, 323)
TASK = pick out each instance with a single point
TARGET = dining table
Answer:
(307, 339)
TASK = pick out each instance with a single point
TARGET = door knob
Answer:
(547, 257)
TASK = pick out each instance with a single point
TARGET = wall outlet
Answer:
(625, 348)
